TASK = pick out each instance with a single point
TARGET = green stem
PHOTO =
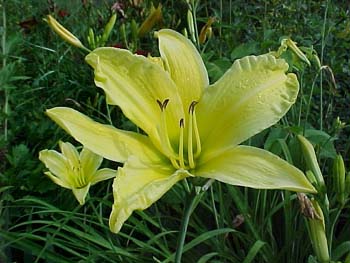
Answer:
(323, 44)
(331, 230)
(191, 202)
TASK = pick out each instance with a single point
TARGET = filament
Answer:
(181, 144)
(164, 135)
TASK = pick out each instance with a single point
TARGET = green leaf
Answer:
(254, 250)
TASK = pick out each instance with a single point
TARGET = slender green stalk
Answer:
(191, 202)
(323, 44)
(193, 6)
(331, 230)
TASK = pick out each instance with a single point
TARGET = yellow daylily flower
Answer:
(192, 128)
(75, 171)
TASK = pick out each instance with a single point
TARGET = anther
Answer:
(164, 135)
(191, 108)
(181, 123)
(163, 105)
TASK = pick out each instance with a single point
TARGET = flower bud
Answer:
(339, 179)
(318, 234)
(91, 38)
(154, 18)
(311, 162)
(108, 28)
(206, 31)
(134, 31)
(311, 177)
(64, 33)
(292, 45)
(191, 28)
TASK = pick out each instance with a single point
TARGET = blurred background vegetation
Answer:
(40, 222)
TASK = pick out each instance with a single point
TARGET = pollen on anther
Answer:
(162, 105)
(192, 105)
(182, 123)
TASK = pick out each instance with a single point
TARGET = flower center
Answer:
(185, 155)
(78, 176)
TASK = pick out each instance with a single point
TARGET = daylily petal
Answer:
(55, 162)
(134, 83)
(256, 168)
(80, 193)
(103, 174)
(58, 180)
(90, 162)
(137, 187)
(252, 95)
(71, 154)
(104, 140)
(185, 65)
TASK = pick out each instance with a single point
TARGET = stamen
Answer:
(164, 135)
(163, 104)
(196, 134)
(181, 144)
(191, 108)
(190, 135)
(79, 176)
(175, 163)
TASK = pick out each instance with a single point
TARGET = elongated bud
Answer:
(122, 32)
(134, 31)
(293, 46)
(108, 28)
(64, 33)
(339, 178)
(312, 179)
(206, 31)
(191, 28)
(311, 162)
(184, 32)
(91, 38)
(318, 234)
(155, 17)
(317, 61)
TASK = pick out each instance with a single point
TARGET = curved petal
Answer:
(185, 65)
(135, 83)
(251, 96)
(58, 180)
(136, 187)
(256, 168)
(57, 164)
(71, 154)
(90, 162)
(103, 174)
(104, 140)
(81, 193)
